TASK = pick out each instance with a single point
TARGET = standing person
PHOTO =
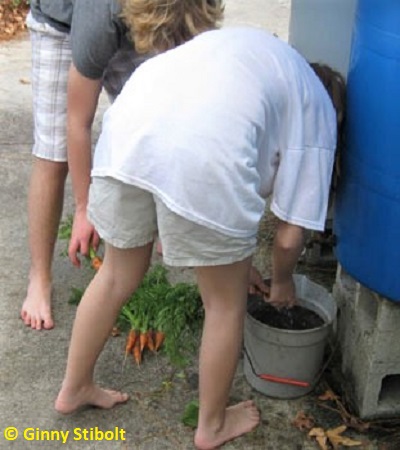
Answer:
(200, 136)
(83, 44)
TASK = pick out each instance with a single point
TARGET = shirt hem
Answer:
(173, 206)
(308, 224)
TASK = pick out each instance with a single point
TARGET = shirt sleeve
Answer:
(97, 32)
(301, 187)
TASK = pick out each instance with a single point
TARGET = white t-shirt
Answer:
(216, 125)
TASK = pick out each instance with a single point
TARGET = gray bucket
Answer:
(292, 358)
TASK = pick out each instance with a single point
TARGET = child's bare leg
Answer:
(224, 294)
(120, 275)
(45, 203)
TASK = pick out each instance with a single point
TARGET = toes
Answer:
(27, 319)
(67, 402)
(248, 404)
(48, 323)
(118, 397)
(36, 323)
(124, 397)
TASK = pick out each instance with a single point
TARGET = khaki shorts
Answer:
(127, 217)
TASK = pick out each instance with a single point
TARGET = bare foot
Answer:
(239, 419)
(68, 402)
(36, 309)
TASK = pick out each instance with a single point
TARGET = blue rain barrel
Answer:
(367, 210)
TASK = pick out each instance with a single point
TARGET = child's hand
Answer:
(256, 283)
(282, 294)
(83, 236)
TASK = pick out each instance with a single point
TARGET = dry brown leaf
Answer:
(335, 437)
(302, 421)
(320, 436)
(12, 18)
(349, 420)
(328, 395)
(314, 432)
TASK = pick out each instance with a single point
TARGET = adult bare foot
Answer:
(36, 309)
(69, 401)
(239, 419)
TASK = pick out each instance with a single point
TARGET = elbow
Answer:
(289, 238)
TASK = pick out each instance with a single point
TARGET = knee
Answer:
(118, 285)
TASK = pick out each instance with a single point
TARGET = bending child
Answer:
(201, 135)
(78, 47)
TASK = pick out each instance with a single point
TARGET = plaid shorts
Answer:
(51, 59)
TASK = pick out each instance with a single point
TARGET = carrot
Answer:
(96, 263)
(137, 354)
(143, 340)
(150, 341)
(159, 339)
(130, 341)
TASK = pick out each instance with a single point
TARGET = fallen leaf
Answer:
(25, 81)
(320, 436)
(12, 18)
(302, 421)
(348, 419)
(335, 437)
(328, 395)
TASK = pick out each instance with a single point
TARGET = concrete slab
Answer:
(32, 363)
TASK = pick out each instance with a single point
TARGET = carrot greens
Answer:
(163, 317)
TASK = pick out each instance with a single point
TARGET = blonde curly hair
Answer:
(159, 25)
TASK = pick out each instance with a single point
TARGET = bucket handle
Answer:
(292, 381)
(274, 378)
